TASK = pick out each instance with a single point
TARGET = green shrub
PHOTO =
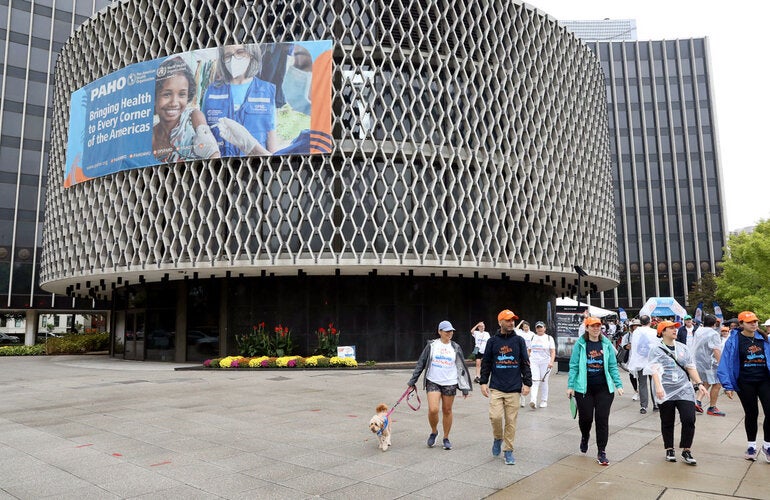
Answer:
(22, 350)
(78, 343)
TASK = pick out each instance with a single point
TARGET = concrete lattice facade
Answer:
(471, 141)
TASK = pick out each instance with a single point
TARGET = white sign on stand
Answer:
(346, 351)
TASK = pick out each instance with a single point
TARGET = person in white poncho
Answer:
(707, 349)
(675, 379)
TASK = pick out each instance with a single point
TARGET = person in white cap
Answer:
(445, 372)
(542, 354)
(766, 324)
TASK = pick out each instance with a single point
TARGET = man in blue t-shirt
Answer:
(505, 377)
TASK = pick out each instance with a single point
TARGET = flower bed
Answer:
(235, 362)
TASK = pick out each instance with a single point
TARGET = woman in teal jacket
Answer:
(593, 382)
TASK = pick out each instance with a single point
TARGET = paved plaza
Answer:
(80, 427)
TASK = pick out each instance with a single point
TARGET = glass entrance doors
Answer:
(134, 335)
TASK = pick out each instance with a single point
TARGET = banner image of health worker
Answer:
(236, 100)
(255, 93)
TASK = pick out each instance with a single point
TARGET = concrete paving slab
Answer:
(95, 427)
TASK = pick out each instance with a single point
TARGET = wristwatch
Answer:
(695, 386)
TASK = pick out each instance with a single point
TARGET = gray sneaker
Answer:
(432, 440)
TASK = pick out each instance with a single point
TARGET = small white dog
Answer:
(380, 425)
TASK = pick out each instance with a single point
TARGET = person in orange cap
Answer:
(593, 382)
(745, 368)
(505, 378)
(675, 380)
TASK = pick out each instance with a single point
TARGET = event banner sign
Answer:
(236, 100)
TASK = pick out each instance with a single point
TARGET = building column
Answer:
(31, 320)
(180, 336)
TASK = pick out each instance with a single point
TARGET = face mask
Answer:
(237, 67)
(296, 84)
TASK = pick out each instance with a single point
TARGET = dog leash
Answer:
(409, 394)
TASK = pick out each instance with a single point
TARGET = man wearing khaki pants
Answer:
(505, 377)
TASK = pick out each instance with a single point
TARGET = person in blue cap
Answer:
(443, 362)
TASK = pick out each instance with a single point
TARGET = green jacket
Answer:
(578, 376)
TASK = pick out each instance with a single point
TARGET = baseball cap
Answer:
(666, 324)
(506, 314)
(635, 322)
(539, 323)
(747, 316)
(592, 321)
(767, 323)
(687, 317)
(446, 326)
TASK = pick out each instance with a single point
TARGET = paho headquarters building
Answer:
(381, 166)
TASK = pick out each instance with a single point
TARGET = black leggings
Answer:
(686, 417)
(595, 403)
(748, 392)
(633, 381)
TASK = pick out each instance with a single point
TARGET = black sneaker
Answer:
(642, 410)
(670, 455)
(688, 458)
(583, 444)
(655, 408)
(477, 380)
(601, 457)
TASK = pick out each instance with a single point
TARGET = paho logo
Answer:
(108, 88)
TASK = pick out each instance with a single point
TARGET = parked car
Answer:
(6, 339)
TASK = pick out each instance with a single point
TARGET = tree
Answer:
(704, 290)
(742, 286)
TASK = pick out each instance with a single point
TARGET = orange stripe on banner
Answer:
(321, 94)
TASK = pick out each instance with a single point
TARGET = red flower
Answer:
(254, 328)
(331, 325)
(262, 324)
(322, 331)
(334, 331)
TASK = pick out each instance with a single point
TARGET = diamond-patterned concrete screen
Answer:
(471, 137)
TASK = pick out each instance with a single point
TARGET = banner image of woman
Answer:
(239, 106)
(180, 131)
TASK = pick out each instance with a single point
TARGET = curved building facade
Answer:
(470, 172)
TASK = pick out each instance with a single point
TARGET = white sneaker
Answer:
(523, 404)
(543, 404)
(636, 397)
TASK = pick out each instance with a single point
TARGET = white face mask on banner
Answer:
(238, 66)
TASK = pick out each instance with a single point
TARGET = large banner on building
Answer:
(236, 100)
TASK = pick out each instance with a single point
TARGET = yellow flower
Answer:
(337, 361)
(257, 362)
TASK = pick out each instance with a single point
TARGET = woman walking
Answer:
(445, 372)
(593, 382)
(745, 368)
(542, 354)
(675, 380)
(480, 336)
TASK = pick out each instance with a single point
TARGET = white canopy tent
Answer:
(597, 312)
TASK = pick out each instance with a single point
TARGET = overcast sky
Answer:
(738, 34)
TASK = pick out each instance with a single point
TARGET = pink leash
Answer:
(409, 394)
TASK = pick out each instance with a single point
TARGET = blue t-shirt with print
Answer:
(595, 363)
